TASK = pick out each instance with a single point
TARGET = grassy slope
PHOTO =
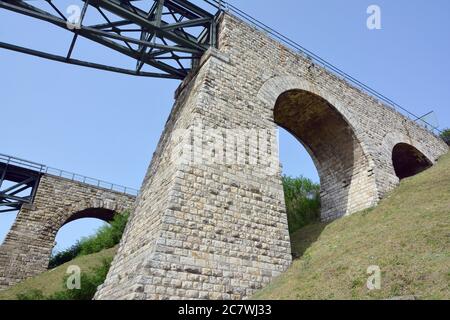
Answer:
(52, 280)
(407, 236)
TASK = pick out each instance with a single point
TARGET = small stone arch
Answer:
(94, 208)
(101, 209)
(395, 142)
(408, 161)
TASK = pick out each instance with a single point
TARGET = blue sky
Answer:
(107, 125)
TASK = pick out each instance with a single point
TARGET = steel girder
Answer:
(19, 181)
(164, 36)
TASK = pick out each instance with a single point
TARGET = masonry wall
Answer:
(27, 248)
(218, 230)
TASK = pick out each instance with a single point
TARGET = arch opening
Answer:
(105, 215)
(79, 225)
(408, 161)
(300, 182)
(333, 146)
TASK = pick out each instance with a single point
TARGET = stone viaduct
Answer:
(210, 220)
(27, 248)
(206, 229)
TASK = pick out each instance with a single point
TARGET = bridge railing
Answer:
(90, 181)
(10, 160)
(227, 7)
(41, 168)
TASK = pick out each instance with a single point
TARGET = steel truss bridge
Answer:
(161, 37)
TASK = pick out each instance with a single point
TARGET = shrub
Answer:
(89, 284)
(64, 256)
(302, 197)
(445, 135)
(106, 237)
(31, 295)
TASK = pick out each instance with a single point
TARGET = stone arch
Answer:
(27, 248)
(320, 123)
(407, 161)
(104, 210)
(94, 208)
(268, 95)
(393, 139)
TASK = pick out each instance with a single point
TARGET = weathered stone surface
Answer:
(27, 248)
(218, 229)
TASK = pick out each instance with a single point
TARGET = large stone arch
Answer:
(321, 123)
(270, 91)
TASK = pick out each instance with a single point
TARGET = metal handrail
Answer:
(21, 163)
(229, 8)
(41, 168)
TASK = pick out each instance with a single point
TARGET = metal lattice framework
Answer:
(19, 180)
(162, 37)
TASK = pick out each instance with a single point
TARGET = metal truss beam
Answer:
(163, 41)
(18, 185)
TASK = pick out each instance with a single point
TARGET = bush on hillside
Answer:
(302, 197)
(445, 135)
(106, 237)
(33, 294)
(89, 284)
(64, 256)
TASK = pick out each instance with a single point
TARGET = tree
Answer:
(302, 197)
(445, 135)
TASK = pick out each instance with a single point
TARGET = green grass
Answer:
(52, 281)
(407, 236)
